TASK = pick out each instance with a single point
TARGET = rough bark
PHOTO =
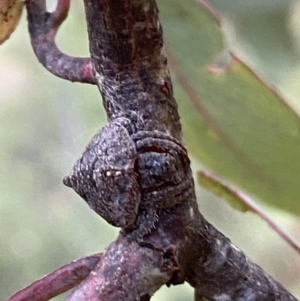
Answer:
(131, 71)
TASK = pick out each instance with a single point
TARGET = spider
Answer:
(121, 174)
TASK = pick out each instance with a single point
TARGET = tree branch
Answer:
(132, 75)
(130, 66)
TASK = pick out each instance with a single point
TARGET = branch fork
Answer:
(129, 66)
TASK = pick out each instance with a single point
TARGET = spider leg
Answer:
(170, 195)
(146, 220)
(168, 157)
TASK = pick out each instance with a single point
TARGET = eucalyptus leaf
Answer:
(220, 189)
(233, 121)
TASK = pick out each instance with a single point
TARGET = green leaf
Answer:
(241, 202)
(233, 122)
(223, 191)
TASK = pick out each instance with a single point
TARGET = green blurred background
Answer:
(46, 122)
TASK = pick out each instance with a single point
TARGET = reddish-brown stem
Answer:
(42, 28)
(61, 12)
(59, 281)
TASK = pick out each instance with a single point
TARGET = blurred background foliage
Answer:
(46, 122)
(237, 125)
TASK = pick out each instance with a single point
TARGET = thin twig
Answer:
(59, 281)
(43, 27)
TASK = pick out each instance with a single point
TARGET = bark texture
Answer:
(130, 68)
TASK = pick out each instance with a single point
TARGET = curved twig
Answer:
(59, 281)
(43, 27)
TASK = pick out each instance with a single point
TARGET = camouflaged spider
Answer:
(121, 173)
